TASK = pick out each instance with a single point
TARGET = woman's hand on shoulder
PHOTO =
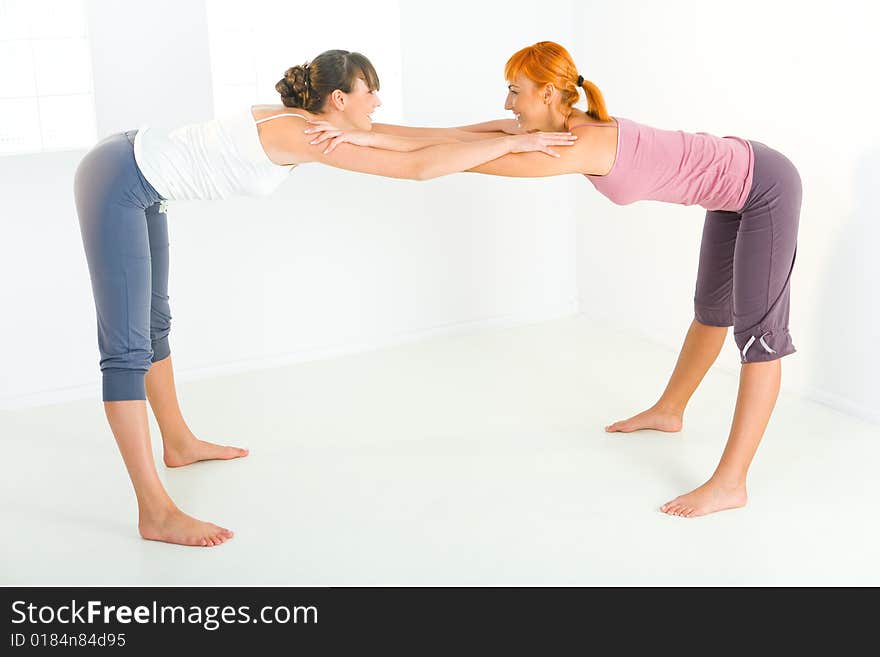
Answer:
(540, 142)
(325, 131)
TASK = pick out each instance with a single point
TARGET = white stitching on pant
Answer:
(763, 344)
(746, 348)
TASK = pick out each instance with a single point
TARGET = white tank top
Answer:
(211, 160)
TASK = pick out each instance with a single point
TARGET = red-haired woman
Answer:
(752, 197)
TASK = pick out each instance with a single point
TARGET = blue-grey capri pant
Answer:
(125, 236)
(746, 261)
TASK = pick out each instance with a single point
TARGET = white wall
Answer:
(336, 262)
(797, 76)
(333, 262)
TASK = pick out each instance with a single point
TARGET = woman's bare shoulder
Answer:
(598, 140)
(580, 118)
(283, 144)
(264, 111)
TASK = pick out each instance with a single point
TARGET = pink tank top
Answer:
(677, 167)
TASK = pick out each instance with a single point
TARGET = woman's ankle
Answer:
(156, 506)
(670, 407)
(729, 477)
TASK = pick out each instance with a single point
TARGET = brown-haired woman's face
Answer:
(360, 104)
(524, 101)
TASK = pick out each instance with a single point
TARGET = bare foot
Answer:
(174, 526)
(710, 497)
(184, 452)
(654, 418)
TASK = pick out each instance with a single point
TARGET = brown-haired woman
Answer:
(752, 195)
(122, 187)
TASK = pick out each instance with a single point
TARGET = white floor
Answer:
(475, 460)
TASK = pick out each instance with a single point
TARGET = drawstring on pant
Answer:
(763, 344)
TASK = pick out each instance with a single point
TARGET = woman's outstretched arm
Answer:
(324, 132)
(404, 139)
(580, 158)
(424, 163)
(486, 130)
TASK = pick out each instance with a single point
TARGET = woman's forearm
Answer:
(392, 142)
(440, 134)
(443, 159)
(421, 164)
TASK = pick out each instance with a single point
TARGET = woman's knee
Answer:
(160, 326)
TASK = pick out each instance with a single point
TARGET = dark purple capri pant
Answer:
(746, 260)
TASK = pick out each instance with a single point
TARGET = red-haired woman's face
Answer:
(525, 101)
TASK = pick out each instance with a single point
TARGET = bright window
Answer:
(253, 43)
(47, 100)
